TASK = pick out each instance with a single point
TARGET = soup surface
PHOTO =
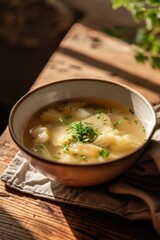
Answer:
(88, 131)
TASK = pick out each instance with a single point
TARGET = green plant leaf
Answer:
(120, 3)
(155, 62)
(147, 14)
(140, 57)
(154, 2)
(152, 18)
(155, 50)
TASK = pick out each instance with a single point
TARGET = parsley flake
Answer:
(104, 153)
(117, 123)
(136, 121)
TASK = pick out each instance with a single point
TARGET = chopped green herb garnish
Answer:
(99, 115)
(56, 157)
(126, 118)
(104, 153)
(105, 121)
(136, 121)
(75, 154)
(83, 157)
(117, 123)
(83, 132)
(41, 146)
(66, 149)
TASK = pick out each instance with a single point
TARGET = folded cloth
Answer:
(134, 195)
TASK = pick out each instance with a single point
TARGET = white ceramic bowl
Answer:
(71, 174)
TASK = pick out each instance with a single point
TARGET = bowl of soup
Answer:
(82, 132)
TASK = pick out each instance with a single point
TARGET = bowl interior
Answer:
(79, 88)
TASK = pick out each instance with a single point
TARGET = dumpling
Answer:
(81, 113)
(124, 144)
(117, 143)
(88, 153)
(39, 134)
(60, 136)
(87, 149)
(107, 138)
(51, 115)
(61, 155)
(100, 122)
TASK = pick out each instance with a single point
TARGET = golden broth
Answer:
(84, 131)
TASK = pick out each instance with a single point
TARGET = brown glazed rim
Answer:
(38, 158)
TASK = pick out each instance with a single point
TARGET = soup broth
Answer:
(84, 132)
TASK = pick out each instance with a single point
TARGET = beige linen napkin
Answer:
(134, 195)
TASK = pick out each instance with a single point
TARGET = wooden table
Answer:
(84, 52)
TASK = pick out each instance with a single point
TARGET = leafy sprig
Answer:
(147, 41)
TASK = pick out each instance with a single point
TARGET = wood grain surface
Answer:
(26, 217)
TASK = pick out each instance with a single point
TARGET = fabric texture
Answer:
(133, 195)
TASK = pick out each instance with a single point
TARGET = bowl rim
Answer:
(41, 159)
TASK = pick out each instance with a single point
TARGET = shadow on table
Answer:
(114, 70)
(95, 225)
(10, 228)
(84, 223)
